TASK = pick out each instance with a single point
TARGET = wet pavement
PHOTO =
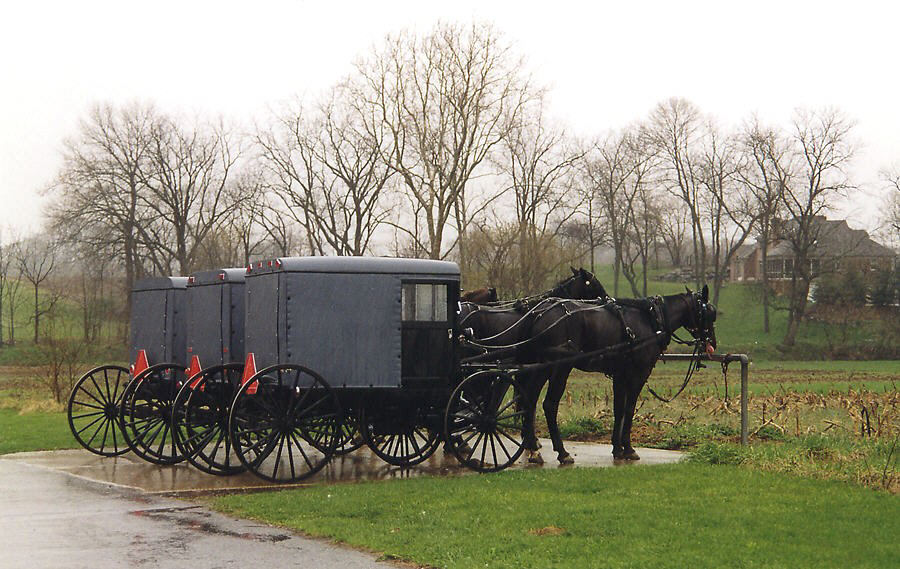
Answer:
(77, 510)
(129, 471)
(50, 520)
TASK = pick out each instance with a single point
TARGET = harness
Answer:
(654, 306)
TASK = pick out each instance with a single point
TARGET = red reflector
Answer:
(221, 276)
(259, 265)
(190, 280)
(249, 269)
(140, 363)
(193, 372)
(278, 263)
(270, 264)
(249, 372)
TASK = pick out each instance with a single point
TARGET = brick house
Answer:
(838, 246)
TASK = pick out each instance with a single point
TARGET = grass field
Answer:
(34, 431)
(685, 515)
(740, 329)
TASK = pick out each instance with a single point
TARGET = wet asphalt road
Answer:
(49, 519)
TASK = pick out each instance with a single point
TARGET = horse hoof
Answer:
(535, 458)
(618, 454)
(631, 455)
(566, 459)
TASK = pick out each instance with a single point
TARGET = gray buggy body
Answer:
(158, 319)
(215, 323)
(360, 322)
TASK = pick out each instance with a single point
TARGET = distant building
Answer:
(837, 246)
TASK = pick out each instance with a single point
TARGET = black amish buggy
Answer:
(215, 332)
(157, 337)
(340, 351)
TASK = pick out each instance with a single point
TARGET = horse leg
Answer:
(555, 391)
(633, 392)
(619, 392)
(532, 384)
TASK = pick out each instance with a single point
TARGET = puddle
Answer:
(130, 471)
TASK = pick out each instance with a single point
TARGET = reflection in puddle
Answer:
(129, 470)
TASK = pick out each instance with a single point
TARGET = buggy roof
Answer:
(364, 265)
(160, 283)
(212, 277)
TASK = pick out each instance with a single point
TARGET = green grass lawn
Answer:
(685, 515)
(34, 431)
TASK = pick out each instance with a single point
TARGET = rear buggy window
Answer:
(424, 302)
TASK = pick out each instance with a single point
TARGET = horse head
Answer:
(480, 296)
(581, 285)
(702, 318)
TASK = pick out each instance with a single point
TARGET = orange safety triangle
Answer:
(249, 372)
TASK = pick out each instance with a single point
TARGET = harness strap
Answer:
(616, 309)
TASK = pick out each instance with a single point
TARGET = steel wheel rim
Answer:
(147, 414)
(408, 448)
(485, 416)
(289, 428)
(92, 410)
(201, 414)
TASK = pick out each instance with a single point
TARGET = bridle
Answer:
(702, 315)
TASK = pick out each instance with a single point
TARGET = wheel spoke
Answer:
(493, 448)
(474, 446)
(503, 447)
(105, 434)
(92, 414)
(302, 452)
(91, 405)
(278, 455)
(94, 436)
(99, 391)
(86, 427)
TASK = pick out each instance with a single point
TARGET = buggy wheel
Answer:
(200, 416)
(146, 413)
(351, 438)
(405, 443)
(93, 410)
(285, 423)
(485, 421)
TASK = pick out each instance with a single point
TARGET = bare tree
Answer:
(617, 169)
(538, 162)
(13, 283)
(187, 183)
(824, 150)
(766, 171)
(677, 130)
(674, 226)
(445, 99)
(892, 201)
(98, 199)
(329, 173)
(7, 266)
(37, 261)
(729, 208)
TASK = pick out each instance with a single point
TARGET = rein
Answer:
(662, 335)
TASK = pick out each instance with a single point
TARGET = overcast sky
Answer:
(607, 64)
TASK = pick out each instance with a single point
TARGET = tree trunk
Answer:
(37, 315)
(765, 282)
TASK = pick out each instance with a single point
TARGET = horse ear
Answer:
(574, 270)
(705, 293)
(689, 291)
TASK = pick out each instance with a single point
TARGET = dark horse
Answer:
(479, 296)
(510, 324)
(637, 330)
(504, 325)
